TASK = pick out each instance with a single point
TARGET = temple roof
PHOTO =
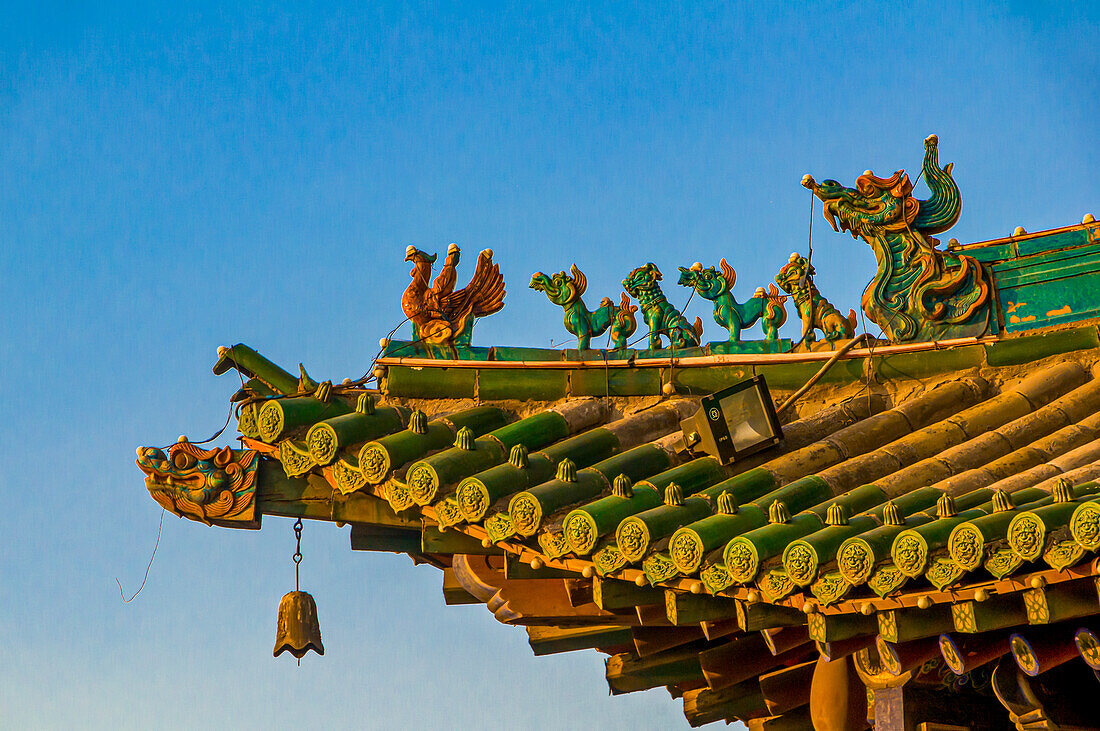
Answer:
(915, 492)
(906, 501)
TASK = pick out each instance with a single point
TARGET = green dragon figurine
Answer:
(796, 278)
(728, 312)
(663, 319)
(565, 290)
(919, 293)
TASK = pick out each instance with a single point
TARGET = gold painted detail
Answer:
(889, 657)
(632, 537)
(886, 580)
(816, 625)
(202, 484)
(526, 514)
(888, 625)
(716, 578)
(271, 421)
(869, 666)
(658, 569)
(1002, 562)
(580, 532)
(778, 513)
(608, 559)
(347, 478)
(374, 463)
(775, 585)
(686, 550)
(742, 560)
(943, 573)
(945, 507)
(830, 588)
(910, 553)
(670, 606)
(1021, 650)
(423, 483)
(296, 460)
(962, 615)
(473, 499)
(1063, 554)
(1089, 647)
(553, 543)
(364, 404)
(965, 545)
(1035, 603)
(322, 443)
(622, 487)
(950, 655)
(1002, 502)
(447, 513)
(726, 504)
(1026, 536)
(800, 561)
(855, 561)
(498, 527)
(1085, 525)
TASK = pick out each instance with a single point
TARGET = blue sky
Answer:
(187, 176)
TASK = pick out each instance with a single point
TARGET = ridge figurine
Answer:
(662, 318)
(565, 290)
(817, 313)
(919, 293)
(728, 312)
(440, 315)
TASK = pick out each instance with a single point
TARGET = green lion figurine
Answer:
(663, 319)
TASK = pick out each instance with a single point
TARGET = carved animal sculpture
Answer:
(208, 485)
(441, 315)
(796, 279)
(662, 318)
(918, 292)
(565, 290)
(728, 312)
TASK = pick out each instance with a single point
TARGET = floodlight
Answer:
(734, 422)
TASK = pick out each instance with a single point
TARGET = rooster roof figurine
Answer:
(440, 315)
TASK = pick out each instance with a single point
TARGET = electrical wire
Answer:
(147, 566)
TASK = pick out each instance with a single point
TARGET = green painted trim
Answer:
(707, 380)
(790, 376)
(1027, 348)
(252, 364)
(989, 254)
(429, 382)
(524, 384)
(615, 382)
(1063, 240)
(920, 365)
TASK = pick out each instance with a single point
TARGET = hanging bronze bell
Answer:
(298, 630)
